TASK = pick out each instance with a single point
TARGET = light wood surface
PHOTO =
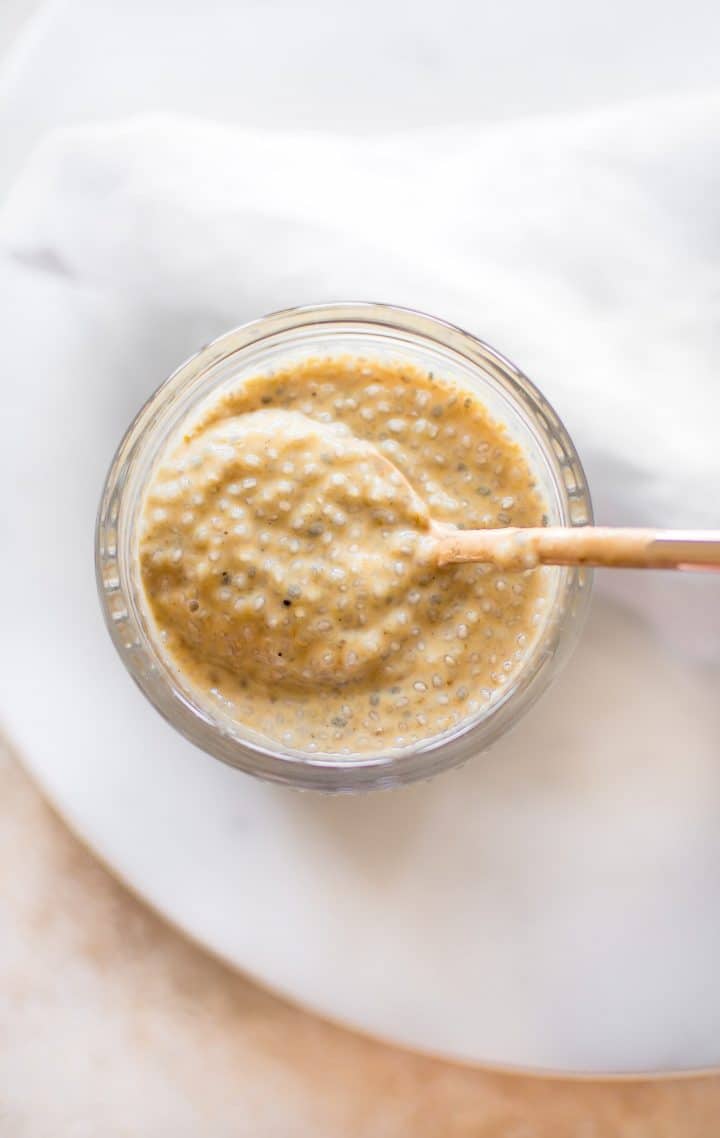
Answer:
(112, 1024)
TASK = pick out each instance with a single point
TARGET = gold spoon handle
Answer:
(603, 546)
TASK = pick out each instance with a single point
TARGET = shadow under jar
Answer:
(393, 337)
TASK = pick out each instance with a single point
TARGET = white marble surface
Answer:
(15, 16)
(352, 69)
(554, 904)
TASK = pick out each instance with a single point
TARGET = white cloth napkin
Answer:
(584, 247)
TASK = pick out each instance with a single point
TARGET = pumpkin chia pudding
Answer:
(283, 560)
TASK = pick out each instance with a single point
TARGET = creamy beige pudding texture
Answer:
(284, 559)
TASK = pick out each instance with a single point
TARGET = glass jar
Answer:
(387, 333)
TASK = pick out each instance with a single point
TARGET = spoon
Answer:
(605, 547)
(509, 548)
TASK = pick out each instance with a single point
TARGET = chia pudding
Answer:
(282, 561)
